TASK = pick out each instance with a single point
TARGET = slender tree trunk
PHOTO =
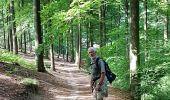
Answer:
(62, 46)
(21, 42)
(59, 46)
(72, 45)
(127, 27)
(168, 19)
(30, 40)
(52, 57)
(25, 43)
(134, 50)
(45, 31)
(78, 46)
(38, 37)
(10, 29)
(166, 24)
(77, 49)
(101, 19)
(8, 33)
(145, 30)
(15, 41)
(67, 47)
(91, 34)
(104, 23)
(52, 46)
(21, 3)
(8, 45)
(88, 31)
(10, 40)
(3, 23)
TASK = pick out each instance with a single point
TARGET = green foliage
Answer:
(11, 58)
(86, 60)
(29, 81)
(30, 84)
(160, 91)
(155, 74)
(114, 53)
(118, 64)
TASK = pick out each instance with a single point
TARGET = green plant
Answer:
(11, 58)
(30, 84)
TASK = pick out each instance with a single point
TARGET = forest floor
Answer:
(66, 83)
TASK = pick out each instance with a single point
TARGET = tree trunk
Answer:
(15, 41)
(25, 43)
(21, 3)
(72, 45)
(78, 46)
(30, 40)
(88, 31)
(3, 23)
(8, 45)
(127, 27)
(134, 50)
(79, 64)
(101, 19)
(67, 47)
(145, 30)
(91, 34)
(52, 57)
(62, 46)
(21, 42)
(59, 46)
(166, 24)
(10, 29)
(8, 33)
(38, 37)
(45, 31)
(104, 23)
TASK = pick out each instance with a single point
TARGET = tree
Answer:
(25, 42)
(10, 28)
(134, 49)
(145, 29)
(78, 38)
(127, 26)
(15, 41)
(38, 37)
(166, 22)
(78, 46)
(72, 44)
(102, 23)
(52, 57)
(4, 33)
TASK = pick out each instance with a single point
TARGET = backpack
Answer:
(109, 74)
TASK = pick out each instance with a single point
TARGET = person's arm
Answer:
(91, 86)
(102, 76)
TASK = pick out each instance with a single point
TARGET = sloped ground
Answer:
(66, 83)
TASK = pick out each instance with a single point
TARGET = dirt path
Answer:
(77, 83)
(66, 83)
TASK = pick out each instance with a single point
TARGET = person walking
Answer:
(98, 83)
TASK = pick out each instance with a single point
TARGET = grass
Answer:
(11, 58)
(29, 81)
(31, 84)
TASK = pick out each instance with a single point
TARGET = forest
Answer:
(131, 35)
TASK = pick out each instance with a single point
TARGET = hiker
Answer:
(98, 82)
